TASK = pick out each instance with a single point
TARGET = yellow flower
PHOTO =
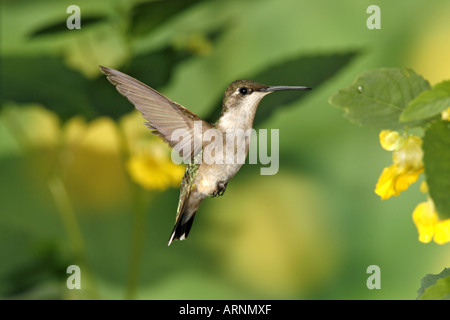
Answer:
(445, 115)
(152, 168)
(407, 166)
(149, 163)
(428, 224)
(91, 163)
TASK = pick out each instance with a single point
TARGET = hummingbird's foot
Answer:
(220, 190)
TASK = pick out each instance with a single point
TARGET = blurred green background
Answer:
(308, 232)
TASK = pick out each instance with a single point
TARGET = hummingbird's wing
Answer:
(163, 115)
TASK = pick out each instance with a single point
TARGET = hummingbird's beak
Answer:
(281, 88)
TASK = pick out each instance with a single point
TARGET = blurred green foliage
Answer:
(308, 232)
(435, 286)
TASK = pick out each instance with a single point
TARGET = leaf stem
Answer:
(140, 204)
(71, 225)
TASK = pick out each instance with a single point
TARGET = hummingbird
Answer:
(164, 117)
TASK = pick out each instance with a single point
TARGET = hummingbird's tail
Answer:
(182, 227)
(187, 208)
(188, 204)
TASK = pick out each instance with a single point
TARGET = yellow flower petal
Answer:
(425, 220)
(410, 155)
(445, 115)
(102, 135)
(40, 126)
(424, 187)
(394, 180)
(442, 232)
(404, 179)
(391, 140)
(385, 187)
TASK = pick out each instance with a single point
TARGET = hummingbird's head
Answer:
(248, 93)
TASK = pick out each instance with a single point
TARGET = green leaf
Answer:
(45, 80)
(154, 69)
(61, 26)
(148, 16)
(310, 71)
(436, 158)
(48, 81)
(429, 103)
(378, 97)
(435, 287)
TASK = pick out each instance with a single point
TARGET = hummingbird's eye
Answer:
(244, 90)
